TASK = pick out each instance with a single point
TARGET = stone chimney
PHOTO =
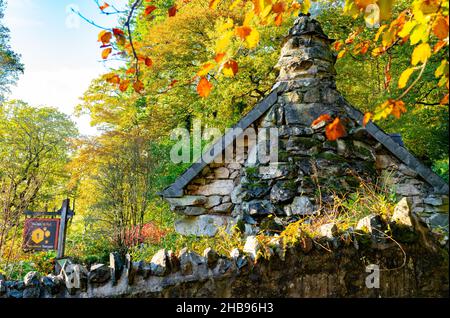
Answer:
(310, 170)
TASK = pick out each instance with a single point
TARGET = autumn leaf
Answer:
(278, 20)
(148, 62)
(148, 10)
(440, 28)
(104, 37)
(138, 86)
(442, 69)
(405, 77)
(205, 69)
(243, 31)
(213, 4)
(253, 39)
(421, 54)
(112, 78)
(131, 70)
(172, 11)
(367, 118)
(117, 32)
(279, 7)
(438, 46)
(444, 101)
(104, 6)
(230, 68)
(124, 85)
(335, 130)
(398, 108)
(219, 57)
(204, 87)
(321, 118)
(338, 45)
(106, 53)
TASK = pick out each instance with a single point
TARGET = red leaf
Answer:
(204, 87)
(173, 11)
(149, 10)
(117, 32)
(232, 66)
(148, 62)
(335, 130)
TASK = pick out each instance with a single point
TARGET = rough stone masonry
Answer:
(310, 169)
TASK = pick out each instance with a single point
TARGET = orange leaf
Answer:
(230, 68)
(338, 45)
(106, 53)
(444, 101)
(148, 62)
(321, 118)
(149, 10)
(204, 87)
(219, 57)
(398, 107)
(104, 37)
(213, 4)
(124, 85)
(278, 20)
(439, 46)
(243, 31)
(138, 86)
(131, 70)
(112, 78)
(279, 7)
(104, 6)
(335, 130)
(367, 118)
(365, 48)
(440, 28)
(173, 11)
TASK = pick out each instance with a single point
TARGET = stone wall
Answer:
(333, 263)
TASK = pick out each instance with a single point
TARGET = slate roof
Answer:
(439, 185)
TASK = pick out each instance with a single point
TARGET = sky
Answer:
(59, 50)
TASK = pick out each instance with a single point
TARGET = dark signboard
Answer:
(41, 234)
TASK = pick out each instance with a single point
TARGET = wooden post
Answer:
(63, 227)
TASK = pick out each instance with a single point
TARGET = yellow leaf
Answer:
(419, 33)
(306, 6)
(234, 4)
(380, 31)
(442, 69)
(405, 77)
(224, 42)
(253, 39)
(205, 69)
(213, 4)
(421, 54)
(225, 26)
(407, 28)
(248, 18)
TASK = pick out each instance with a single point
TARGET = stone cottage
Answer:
(309, 169)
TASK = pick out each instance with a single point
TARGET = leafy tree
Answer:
(10, 66)
(33, 154)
